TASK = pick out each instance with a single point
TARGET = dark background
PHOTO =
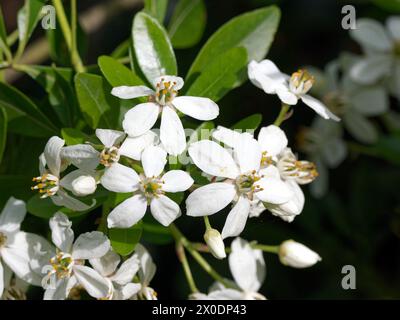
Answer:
(357, 223)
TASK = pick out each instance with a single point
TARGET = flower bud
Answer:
(215, 243)
(296, 255)
(84, 185)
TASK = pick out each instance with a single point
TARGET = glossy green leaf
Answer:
(154, 232)
(3, 132)
(156, 8)
(99, 108)
(28, 17)
(187, 23)
(124, 241)
(74, 136)
(117, 74)
(153, 50)
(253, 30)
(122, 50)
(249, 123)
(19, 106)
(220, 76)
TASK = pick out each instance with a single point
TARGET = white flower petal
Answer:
(147, 267)
(129, 290)
(79, 182)
(176, 181)
(176, 81)
(126, 92)
(82, 156)
(164, 210)
(119, 178)
(107, 264)
(266, 75)
(393, 25)
(371, 35)
(248, 155)
(109, 137)
(209, 199)
(371, 101)
(90, 245)
(247, 265)
(274, 191)
(140, 118)
(127, 271)
(2, 280)
(237, 217)
(128, 213)
(361, 127)
(213, 159)
(172, 134)
(286, 95)
(12, 215)
(62, 234)
(59, 292)
(272, 139)
(319, 107)
(133, 147)
(199, 108)
(17, 259)
(230, 137)
(154, 160)
(63, 199)
(95, 285)
(52, 154)
(371, 69)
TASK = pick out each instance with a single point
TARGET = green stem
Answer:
(207, 222)
(180, 251)
(69, 36)
(266, 248)
(201, 247)
(199, 259)
(282, 114)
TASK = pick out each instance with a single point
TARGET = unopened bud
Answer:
(84, 185)
(215, 243)
(296, 255)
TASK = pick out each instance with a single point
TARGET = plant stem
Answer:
(207, 222)
(180, 251)
(201, 247)
(282, 114)
(266, 248)
(69, 36)
(179, 237)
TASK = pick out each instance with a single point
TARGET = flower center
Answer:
(3, 239)
(302, 171)
(266, 160)
(165, 92)
(109, 156)
(246, 183)
(62, 264)
(301, 82)
(151, 187)
(47, 185)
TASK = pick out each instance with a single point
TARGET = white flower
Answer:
(296, 255)
(248, 269)
(267, 76)
(382, 49)
(120, 279)
(149, 188)
(50, 184)
(67, 264)
(147, 271)
(16, 247)
(243, 181)
(214, 241)
(86, 157)
(281, 164)
(164, 100)
(14, 287)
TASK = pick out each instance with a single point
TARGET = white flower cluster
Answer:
(253, 174)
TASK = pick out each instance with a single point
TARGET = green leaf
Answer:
(249, 123)
(122, 50)
(3, 132)
(100, 109)
(17, 186)
(156, 8)
(117, 74)
(187, 23)
(124, 241)
(154, 232)
(3, 37)
(19, 106)
(221, 75)
(28, 17)
(253, 30)
(202, 132)
(389, 5)
(152, 47)
(74, 136)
